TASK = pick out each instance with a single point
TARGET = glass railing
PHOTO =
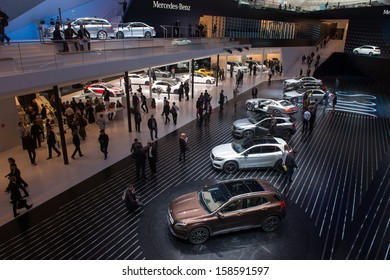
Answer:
(32, 56)
(310, 5)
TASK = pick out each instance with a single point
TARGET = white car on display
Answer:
(237, 66)
(367, 50)
(138, 79)
(198, 79)
(259, 66)
(299, 80)
(181, 41)
(296, 96)
(134, 30)
(163, 85)
(272, 106)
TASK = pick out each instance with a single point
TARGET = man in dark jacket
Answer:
(103, 140)
(291, 165)
(140, 158)
(30, 147)
(152, 125)
(71, 36)
(183, 141)
(131, 199)
(51, 142)
(36, 132)
(76, 143)
(151, 151)
(3, 23)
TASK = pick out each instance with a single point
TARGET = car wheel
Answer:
(164, 76)
(120, 35)
(276, 112)
(208, 82)
(370, 54)
(146, 83)
(148, 34)
(250, 106)
(199, 235)
(294, 100)
(230, 167)
(278, 166)
(286, 134)
(356, 52)
(248, 133)
(102, 35)
(271, 223)
(154, 90)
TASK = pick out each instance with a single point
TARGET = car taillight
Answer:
(288, 109)
(282, 204)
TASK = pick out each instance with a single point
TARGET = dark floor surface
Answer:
(342, 163)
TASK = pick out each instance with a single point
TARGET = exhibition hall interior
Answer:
(195, 130)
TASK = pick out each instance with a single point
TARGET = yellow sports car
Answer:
(204, 71)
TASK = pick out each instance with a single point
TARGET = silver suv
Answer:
(254, 152)
(259, 124)
(98, 28)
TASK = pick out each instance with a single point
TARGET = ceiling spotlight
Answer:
(228, 50)
(239, 49)
(247, 48)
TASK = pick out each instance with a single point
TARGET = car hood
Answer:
(223, 151)
(242, 123)
(186, 207)
(292, 93)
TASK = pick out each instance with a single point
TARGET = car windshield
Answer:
(241, 145)
(285, 103)
(213, 197)
(255, 117)
(110, 86)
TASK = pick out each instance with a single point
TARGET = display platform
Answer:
(295, 239)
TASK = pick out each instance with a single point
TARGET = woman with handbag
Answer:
(16, 198)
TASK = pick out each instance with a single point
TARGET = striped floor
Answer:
(342, 163)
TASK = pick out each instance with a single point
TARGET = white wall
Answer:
(9, 124)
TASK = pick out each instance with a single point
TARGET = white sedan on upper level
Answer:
(181, 41)
(367, 50)
(299, 80)
(199, 79)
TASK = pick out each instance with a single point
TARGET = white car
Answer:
(299, 80)
(138, 79)
(134, 30)
(259, 66)
(367, 50)
(273, 106)
(237, 66)
(181, 41)
(163, 85)
(199, 79)
(296, 96)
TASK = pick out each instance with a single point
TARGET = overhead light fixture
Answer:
(228, 50)
(239, 49)
(247, 48)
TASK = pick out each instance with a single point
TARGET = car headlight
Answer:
(218, 158)
(180, 225)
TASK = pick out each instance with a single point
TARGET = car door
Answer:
(229, 217)
(98, 89)
(263, 126)
(268, 155)
(257, 208)
(137, 29)
(251, 157)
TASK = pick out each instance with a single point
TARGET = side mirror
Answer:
(220, 216)
(245, 154)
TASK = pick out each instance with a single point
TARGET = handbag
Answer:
(21, 204)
